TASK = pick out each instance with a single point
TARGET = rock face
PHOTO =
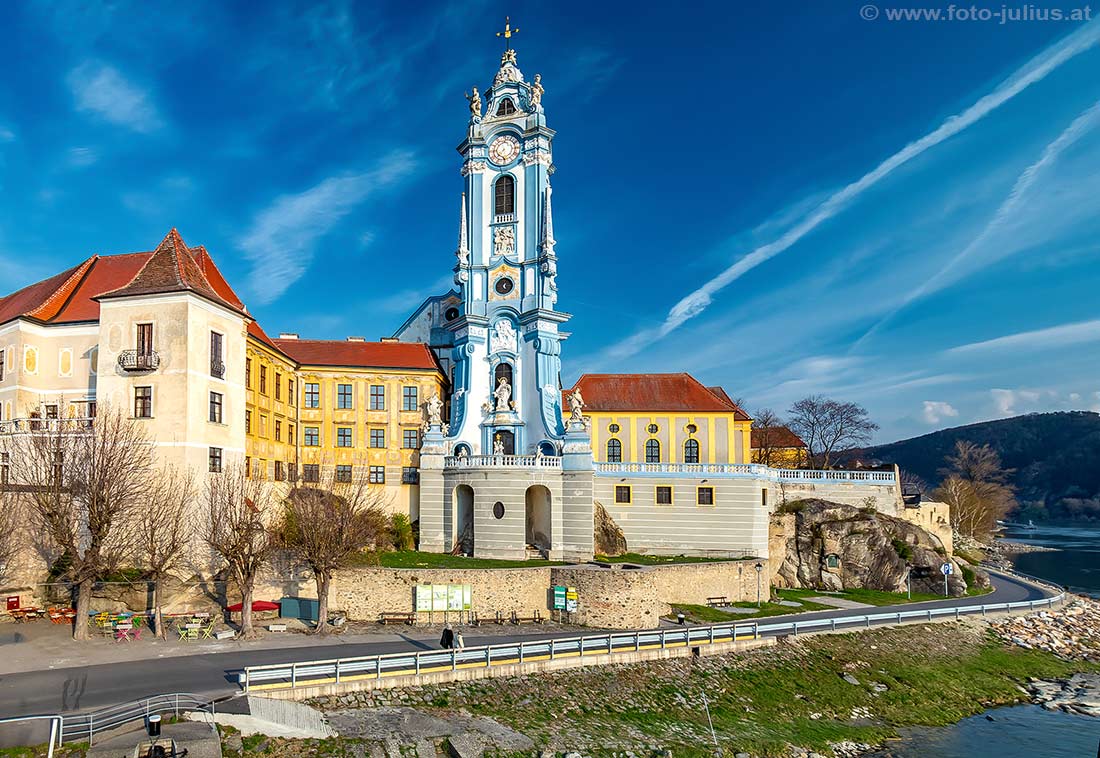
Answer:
(609, 538)
(822, 545)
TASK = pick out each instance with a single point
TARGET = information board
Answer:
(444, 597)
(559, 598)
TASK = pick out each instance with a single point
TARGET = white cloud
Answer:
(280, 242)
(79, 157)
(6, 134)
(1033, 71)
(103, 91)
(937, 410)
(1063, 335)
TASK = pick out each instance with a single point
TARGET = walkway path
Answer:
(213, 672)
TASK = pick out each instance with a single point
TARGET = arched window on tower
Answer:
(504, 371)
(506, 107)
(691, 451)
(614, 451)
(652, 451)
(504, 197)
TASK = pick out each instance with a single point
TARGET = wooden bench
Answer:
(536, 618)
(718, 602)
(389, 617)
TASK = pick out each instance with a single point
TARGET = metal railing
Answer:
(217, 368)
(502, 461)
(36, 424)
(138, 360)
(84, 726)
(339, 670)
(747, 470)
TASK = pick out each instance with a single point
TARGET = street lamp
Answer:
(759, 571)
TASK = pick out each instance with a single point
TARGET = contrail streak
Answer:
(1035, 70)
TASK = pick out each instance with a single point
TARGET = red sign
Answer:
(13, 602)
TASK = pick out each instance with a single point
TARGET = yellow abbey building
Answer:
(338, 408)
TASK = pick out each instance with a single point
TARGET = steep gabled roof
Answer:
(651, 392)
(172, 268)
(389, 355)
(741, 414)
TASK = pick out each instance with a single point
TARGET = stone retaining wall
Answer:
(613, 598)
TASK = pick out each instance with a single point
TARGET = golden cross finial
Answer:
(507, 33)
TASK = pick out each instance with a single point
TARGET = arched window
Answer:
(506, 107)
(691, 451)
(614, 451)
(504, 195)
(652, 451)
(504, 371)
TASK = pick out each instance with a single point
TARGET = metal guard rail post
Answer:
(341, 670)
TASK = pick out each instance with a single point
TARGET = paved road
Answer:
(92, 687)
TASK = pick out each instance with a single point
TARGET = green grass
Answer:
(411, 559)
(872, 597)
(660, 560)
(763, 702)
(705, 614)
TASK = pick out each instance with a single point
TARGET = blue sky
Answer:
(780, 198)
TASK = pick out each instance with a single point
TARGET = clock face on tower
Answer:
(504, 150)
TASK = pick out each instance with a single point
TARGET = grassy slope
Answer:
(763, 701)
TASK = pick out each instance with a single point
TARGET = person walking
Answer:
(447, 640)
(459, 643)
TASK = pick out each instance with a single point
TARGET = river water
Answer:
(1025, 730)
(1076, 563)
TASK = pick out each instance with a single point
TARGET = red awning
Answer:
(257, 605)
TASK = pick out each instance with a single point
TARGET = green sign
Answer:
(444, 597)
(559, 598)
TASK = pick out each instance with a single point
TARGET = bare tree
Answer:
(238, 510)
(765, 425)
(829, 426)
(327, 524)
(976, 486)
(11, 515)
(165, 531)
(82, 481)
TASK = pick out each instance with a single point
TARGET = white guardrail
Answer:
(339, 670)
(85, 726)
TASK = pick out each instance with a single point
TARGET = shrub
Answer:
(901, 547)
(401, 532)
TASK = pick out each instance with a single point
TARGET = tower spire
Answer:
(463, 251)
(507, 33)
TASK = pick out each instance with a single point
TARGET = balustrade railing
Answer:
(502, 461)
(747, 470)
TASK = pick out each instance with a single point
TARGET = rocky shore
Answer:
(1071, 632)
(1079, 694)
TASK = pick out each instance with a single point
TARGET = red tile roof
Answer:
(414, 355)
(172, 267)
(723, 395)
(778, 436)
(651, 392)
(71, 296)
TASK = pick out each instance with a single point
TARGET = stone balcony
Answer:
(744, 470)
(40, 425)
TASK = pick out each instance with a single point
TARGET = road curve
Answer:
(92, 687)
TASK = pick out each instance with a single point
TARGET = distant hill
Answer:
(1056, 457)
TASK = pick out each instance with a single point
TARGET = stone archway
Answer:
(464, 519)
(537, 508)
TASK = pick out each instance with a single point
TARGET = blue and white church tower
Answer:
(506, 396)
(505, 476)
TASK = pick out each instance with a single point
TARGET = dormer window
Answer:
(506, 107)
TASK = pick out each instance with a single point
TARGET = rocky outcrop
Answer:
(609, 538)
(823, 545)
